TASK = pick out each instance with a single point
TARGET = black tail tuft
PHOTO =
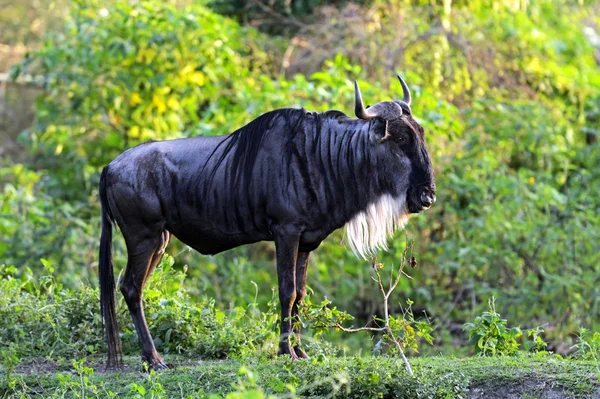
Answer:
(107, 282)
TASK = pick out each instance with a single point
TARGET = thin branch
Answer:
(406, 275)
(404, 359)
(360, 329)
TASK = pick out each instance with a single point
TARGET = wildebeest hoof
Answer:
(156, 365)
(160, 366)
(287, 351)
(300, 353)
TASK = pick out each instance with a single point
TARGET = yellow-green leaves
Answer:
(128, 72)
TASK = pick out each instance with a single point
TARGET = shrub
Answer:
(129, 72)
(35, 225)
(41, 318)
(490, 335)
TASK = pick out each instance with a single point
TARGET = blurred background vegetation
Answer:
(507, 90)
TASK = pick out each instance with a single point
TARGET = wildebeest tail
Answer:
(107, 281)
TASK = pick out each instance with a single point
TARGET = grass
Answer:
(352, 377)
(44, 327)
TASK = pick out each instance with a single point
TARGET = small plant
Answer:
(78, 384)
(8, 361)
(535, 343)
(588, 345)
(399, 332)
(408, 330)
(490, 334)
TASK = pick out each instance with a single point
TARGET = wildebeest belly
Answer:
(210, 241)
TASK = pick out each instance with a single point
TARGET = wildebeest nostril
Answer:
(427, 198)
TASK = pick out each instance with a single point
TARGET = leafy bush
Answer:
(35, 225)
(131, 72)
(491, 336)
(42, 318)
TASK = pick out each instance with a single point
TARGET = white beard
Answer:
(368, 231)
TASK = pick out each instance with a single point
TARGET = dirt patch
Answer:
(529, 389)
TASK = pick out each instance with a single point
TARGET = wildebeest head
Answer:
(401, 143)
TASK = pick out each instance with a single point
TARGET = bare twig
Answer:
(350, 330)
(386, 296)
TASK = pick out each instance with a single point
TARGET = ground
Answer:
(357, 377)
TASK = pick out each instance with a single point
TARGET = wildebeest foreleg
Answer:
(301, 269)
(286, 246)
(143, 258)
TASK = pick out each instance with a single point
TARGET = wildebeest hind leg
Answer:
(143, 256)
(301, 270)
(158, 254)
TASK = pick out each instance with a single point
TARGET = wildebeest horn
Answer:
(387, 110)
(405, 90)
(359, 106)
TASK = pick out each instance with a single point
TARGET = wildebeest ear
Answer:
(379, 131)
(405, 107)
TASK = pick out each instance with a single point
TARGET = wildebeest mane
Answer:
(242, 146)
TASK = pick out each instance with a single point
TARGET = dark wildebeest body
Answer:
(290, 176)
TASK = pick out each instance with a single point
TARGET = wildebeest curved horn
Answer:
(359, 106)
(387, 110)
(405, 90)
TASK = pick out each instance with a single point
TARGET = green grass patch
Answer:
(352, 377)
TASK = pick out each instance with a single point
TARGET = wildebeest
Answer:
(289, 176)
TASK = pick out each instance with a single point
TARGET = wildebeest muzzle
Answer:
(421, 197)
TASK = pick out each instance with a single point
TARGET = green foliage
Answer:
(588, 345)
(35, 225)
(515, 235)
(246, 387)
(129, 73)
(408, 331)
(490, 334)
(350, 377)
(41, 318)
(535, 343)
(508, 93)
(320, 316)
(397, 332)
